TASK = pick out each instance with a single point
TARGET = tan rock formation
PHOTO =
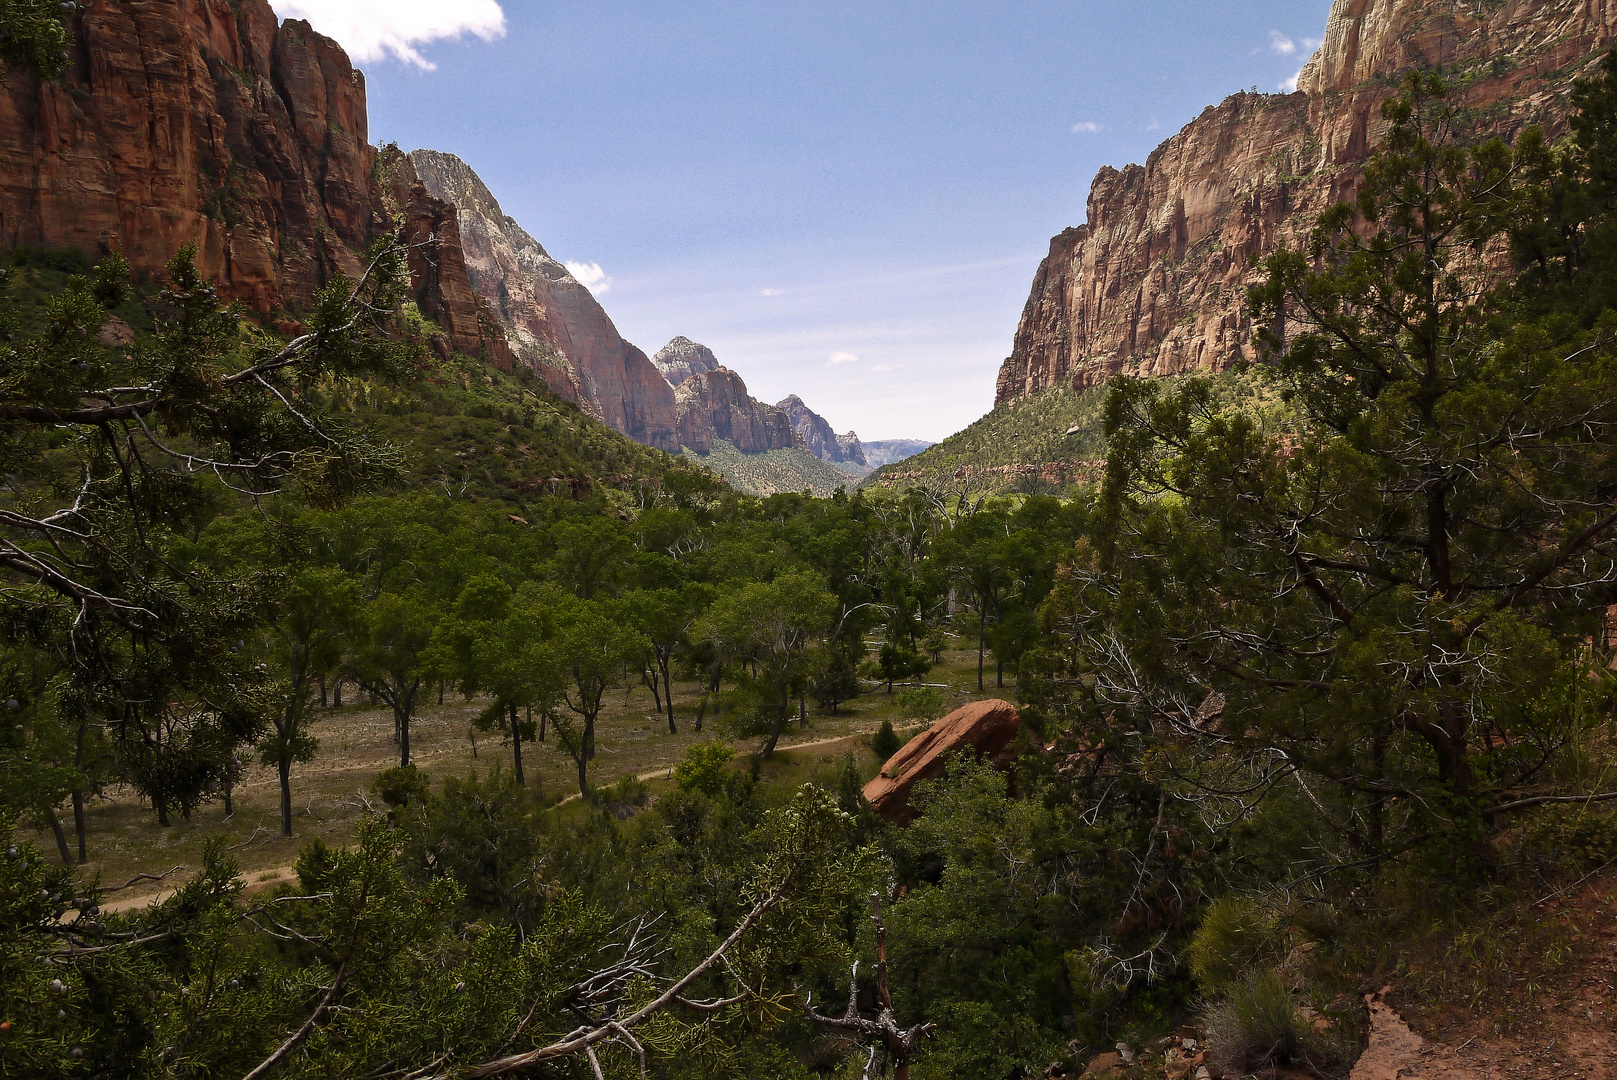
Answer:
(715, 405)
(681, 358)
(1155, 282)
(558, 327)
(984, 726)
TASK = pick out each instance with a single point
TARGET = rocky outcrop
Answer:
(682, 358)
(985, 727)
(715, 405)
(197, 121)
(555, 324)
(818, 438)
(1155, 282)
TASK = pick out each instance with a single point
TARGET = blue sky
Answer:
(845, 201)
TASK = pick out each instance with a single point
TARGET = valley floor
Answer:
(331, 793)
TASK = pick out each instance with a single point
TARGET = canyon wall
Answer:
(195, 121)
(715, 405)
(1154, 283)
(206, 122)
(555, 325)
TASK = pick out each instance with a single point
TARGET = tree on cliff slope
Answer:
(1395, 597)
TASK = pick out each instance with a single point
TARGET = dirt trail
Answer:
(264, 880)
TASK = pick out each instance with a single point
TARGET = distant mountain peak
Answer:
(818, 437)
(682, 358)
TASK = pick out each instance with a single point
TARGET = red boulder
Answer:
(984, 726)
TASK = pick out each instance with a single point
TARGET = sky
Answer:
(846, 201)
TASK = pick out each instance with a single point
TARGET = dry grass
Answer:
(331, 793)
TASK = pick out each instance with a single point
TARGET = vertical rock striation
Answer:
(556, 326)
(1155, 282)
(195, 121)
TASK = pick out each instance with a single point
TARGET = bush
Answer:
(402, 786)
(702, 768)
(885, 743)
(1236, 936)
(1258, 1026)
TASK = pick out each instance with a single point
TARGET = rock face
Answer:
(195, 121)
(715, 405)
(1155, 282)
(557, 326)
(682, 358)
(204, 122)
(986, 727)
(818, 438)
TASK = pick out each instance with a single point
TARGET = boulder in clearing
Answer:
(984, 726)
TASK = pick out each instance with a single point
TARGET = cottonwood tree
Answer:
(591, 650)
(776, 624)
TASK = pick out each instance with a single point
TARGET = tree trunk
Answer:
(61, 837)
(321, 679)
(336, 692)
(516, 747)
(401, 724)
(982, 617)
(668, 696)
(778, 725)
(78, 791)
(78, 823)
(284, 769)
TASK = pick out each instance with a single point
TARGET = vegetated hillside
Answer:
(466, 427)
(773, 472)
(1049, 443)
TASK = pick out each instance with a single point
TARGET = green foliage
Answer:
(1257, 1026)
(703, 768)
(33, 38)
(922, 703)
(885, 743)
(1237, 936)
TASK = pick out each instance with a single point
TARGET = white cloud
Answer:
(774, 292)
(373, 29)
(1281, 44)
(843, 358)
(1289, 86)
(1086, 127)
(591, 276)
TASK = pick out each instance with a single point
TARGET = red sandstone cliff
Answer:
(557, 326)
(1155, 282)
(715, 405)
(195, 120)
(204, 121)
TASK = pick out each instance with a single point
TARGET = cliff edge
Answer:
(1154, 283)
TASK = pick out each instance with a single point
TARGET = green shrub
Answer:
(885, 743)
(1237, 936)
(402, 786)
(1258, 1026)
(702, 768)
